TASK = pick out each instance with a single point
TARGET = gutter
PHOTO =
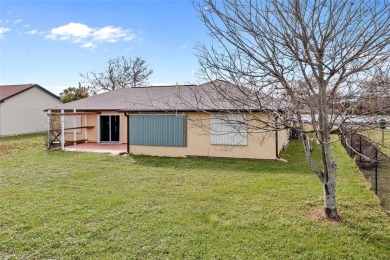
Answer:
(188, 110)
(278, 158)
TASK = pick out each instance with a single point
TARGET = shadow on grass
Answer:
(293, 154)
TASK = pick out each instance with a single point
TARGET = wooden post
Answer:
(376, 171)
(351, 145)
(382, 125)
(86, 129)
(48, 129)
(62, 130)
(383, 136)
(360, 151)
(74, 130)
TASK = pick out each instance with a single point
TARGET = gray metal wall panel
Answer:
(157, 130)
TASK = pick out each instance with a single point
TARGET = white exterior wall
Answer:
(23, 113)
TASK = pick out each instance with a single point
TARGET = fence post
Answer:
(360, 151)
(351, 145)
(376, 171)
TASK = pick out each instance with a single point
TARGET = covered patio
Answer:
(115, 149)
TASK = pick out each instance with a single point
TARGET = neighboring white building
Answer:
(21, 108)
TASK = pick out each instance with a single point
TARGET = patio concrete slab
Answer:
(115, 149)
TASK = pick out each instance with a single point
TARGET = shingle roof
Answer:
(8, 91)
(212, 96)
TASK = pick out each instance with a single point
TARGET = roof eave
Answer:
(189, 110)
(15, 94)
(80, 109)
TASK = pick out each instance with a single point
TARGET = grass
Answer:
(384, 164)
(84, 205)
(376, 136)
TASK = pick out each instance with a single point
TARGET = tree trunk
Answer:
(329, 187)
(329, 181)
(327, 177)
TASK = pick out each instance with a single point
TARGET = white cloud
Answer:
(89, 46)
(18, 21)
(129, 37)
(32, 32)
(109, 34)
(183, 46)
(71, 31)
(3, 30)
(87, 36)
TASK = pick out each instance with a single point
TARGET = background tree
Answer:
(71, 94)
(377, 95)
(319, 52)
(121, 73)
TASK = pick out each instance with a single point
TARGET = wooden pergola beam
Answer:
(73, 113)
(78, 127)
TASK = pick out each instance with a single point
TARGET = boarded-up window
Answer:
(157, 130)
(69, 123)
(228, 130)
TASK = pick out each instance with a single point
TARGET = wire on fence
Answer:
(374, 163)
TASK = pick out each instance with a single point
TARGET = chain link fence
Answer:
(373, 163)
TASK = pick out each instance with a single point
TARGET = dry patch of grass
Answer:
(317, 214)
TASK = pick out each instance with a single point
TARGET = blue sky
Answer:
(50, 42)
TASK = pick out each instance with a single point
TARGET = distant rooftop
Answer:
(8, 91)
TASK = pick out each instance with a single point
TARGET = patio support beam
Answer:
(74, 130)
(62, 130)
(48, 129)
(86, 129)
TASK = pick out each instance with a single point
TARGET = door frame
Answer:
(99, 130)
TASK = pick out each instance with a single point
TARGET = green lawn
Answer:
(84, 205)
(376, 136)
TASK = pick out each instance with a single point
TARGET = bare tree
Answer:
(376, 98)
(320, 53)
(121, 73)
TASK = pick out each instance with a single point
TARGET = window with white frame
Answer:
(228, 129)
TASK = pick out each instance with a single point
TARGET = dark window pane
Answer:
(104, 128)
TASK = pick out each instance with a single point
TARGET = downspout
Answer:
(276, 138)
(278, 158)
(1, 101)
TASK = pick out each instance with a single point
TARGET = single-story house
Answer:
(21, 108)
(178, 121)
